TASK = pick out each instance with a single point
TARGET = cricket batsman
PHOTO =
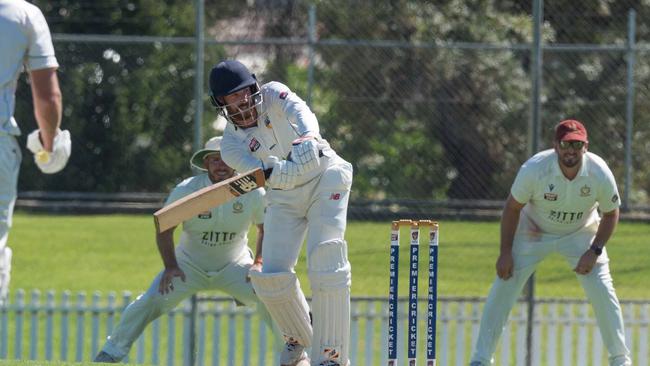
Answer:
(270, 127)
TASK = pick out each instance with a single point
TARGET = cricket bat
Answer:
(207, 198)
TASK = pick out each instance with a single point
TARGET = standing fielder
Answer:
(26, 43)
(552, 207)
(212, 254)
(271, 128)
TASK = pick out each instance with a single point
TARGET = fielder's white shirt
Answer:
(284, 116)
(25, 42)
(215, 238)
(556, 205)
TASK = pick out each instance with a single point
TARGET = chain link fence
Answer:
(431, 102)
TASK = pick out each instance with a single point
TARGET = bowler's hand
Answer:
(586, 263)
(256, 267)
(166, 285)
(505, 265)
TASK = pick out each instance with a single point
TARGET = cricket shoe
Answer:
(293, 354)
(104, 357)
(333, 358)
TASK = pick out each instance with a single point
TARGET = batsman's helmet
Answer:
(228, 77)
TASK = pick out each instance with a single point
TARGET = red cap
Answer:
(570, 130)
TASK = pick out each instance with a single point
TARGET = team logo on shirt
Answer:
(237, 207)
(283, 95)
(254, 144)
(205, 215)
(550, 196)
(214, 238)
(267, 122)
(585, 191)
(615, 198)
(564, 217)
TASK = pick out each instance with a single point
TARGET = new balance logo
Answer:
(243, 185)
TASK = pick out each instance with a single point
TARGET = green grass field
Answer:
(118, 252)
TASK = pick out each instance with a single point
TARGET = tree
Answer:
(129, 106)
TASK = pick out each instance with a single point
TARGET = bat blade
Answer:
(207, 198)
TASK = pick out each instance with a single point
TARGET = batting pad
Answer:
(281, 294)
(329, 273)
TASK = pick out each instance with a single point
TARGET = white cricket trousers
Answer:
(598, 286)
(10, 158)
(151, 304)
(316, 210)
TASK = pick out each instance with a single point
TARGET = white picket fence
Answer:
(73, 328)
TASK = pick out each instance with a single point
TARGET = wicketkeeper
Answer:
(212, 254)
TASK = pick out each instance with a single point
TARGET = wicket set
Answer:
(393, 295)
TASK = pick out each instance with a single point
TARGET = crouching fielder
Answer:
(552, 209)
(212, 255)
(271, 128)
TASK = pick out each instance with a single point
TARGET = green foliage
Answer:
(445, 110)
(424, 121)
(130, 108)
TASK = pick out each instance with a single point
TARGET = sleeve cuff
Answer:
(38, 63)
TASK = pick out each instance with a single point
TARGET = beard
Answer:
(246, 116)
(570, 161)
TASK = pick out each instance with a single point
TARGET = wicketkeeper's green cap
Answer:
(212, 146)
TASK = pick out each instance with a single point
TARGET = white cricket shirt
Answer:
(284, 117)
(556, 205)
(25, 41)
(215, 238)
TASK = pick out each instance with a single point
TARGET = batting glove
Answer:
(284, 173)
(304, 151)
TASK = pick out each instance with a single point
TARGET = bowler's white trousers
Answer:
(598, 285)
(151, 304)
(10, 158)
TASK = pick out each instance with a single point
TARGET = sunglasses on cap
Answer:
(575, 145)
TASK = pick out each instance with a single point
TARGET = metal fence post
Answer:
(311, 42)
(629, 105)
(534, 133)
(198, 78)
